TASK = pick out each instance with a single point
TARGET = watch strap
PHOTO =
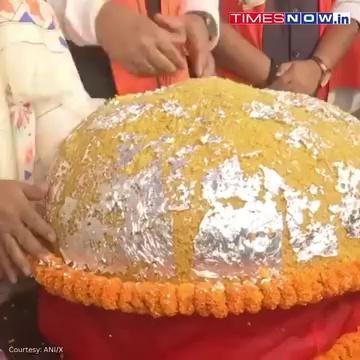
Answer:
(209, 22)
(153, 7)
(274, 67)
(325, 71)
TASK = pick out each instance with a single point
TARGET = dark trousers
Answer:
(94, 68)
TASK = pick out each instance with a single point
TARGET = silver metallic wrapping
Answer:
(208, 179)
(250, 235)
(144, 236)
(349, 210)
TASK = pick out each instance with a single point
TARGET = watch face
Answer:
(208, 20)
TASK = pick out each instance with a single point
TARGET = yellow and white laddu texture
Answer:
(207, 197)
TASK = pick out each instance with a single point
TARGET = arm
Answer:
(211, 8)
(338, 38)
(77, 19)
(236, 54)
(305, 76)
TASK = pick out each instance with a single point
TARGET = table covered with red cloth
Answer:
(298, 334)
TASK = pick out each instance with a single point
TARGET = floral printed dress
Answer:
(41, 95)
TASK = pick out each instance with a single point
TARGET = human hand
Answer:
(210, 67)
(20, 224)
(197, 41)
(138, 43)
(302, 76)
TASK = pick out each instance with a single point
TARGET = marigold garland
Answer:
(347, 347)
(308, 286)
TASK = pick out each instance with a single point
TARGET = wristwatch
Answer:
(325, 71)
(274, 67)
(209, 22)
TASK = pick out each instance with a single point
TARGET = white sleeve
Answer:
(41, 94)
(8, 164)
(349, 6)
(77, 19)
(210, 7)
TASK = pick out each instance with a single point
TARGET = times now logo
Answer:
(289, 18)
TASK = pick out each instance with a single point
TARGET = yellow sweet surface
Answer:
(204, 123)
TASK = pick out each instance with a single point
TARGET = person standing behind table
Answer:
(307, 59)
(348, 97)
(145, 47)
(149, 55)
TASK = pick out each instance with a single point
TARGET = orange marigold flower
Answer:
(204, 298)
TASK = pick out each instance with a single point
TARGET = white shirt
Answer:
(77, 17)
(350, 6)
(41, 95)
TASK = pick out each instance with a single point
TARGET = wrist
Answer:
(209, 22)
(108, 14)
(98, 20)
(211, 9)
(316, 70)
(200, 16)
(94, 12)
(273, 68)
(323, 71)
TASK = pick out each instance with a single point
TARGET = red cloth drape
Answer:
(298, 334)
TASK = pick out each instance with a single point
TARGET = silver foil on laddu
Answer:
(237, 241)
(142, 238)
(348, 186)
(314, 239)
(119, 113)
